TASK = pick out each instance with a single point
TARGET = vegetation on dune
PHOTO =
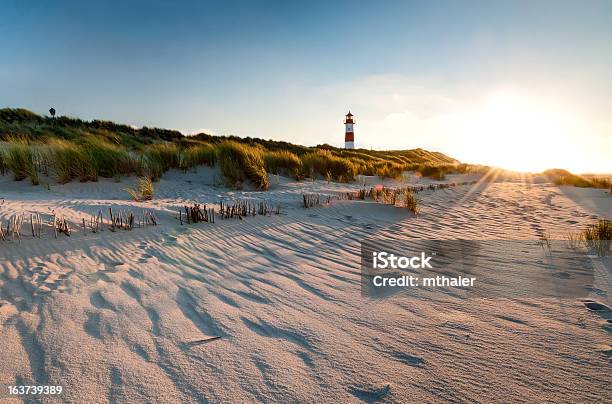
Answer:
(24, 123)
(71, 149)
(21, 159)
(239, 162)
(144, 190)
(159, 158)
(69, 161)
(193, 156)
(3, 166)
(564, 177)
(283, 162)
(324, 163)
(411, 202)
(597, 236)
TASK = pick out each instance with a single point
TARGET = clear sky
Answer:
(519, 84)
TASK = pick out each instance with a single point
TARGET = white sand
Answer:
(114, 316)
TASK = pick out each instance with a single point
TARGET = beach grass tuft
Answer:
(193, 156)
(323, 163)
(239, 162)
(282, 162)
(598, 236)
(21, 160)
(69, 161)
(144, 190)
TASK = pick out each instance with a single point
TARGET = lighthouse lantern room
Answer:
(349, 135)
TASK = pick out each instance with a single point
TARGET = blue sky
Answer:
(477, 80)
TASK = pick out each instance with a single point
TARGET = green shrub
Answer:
(239, 162)
(282, 162)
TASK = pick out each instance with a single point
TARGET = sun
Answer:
(520, 133)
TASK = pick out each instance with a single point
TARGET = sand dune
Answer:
(134, 316)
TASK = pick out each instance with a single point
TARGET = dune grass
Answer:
(389, 170)
(324, 163)
(159, 158)
(3, 166)
(193, 156)
(598, 236)
(564, 177)
(144, 190)
(282, 162)
(109, 160)
(70, 161)
(239, 162)
(21, 159)
(411, 202)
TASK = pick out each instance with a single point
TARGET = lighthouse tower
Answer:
(349, 135)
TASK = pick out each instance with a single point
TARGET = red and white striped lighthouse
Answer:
(349, 135)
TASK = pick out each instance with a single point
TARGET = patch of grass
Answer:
(70, 161)
(108, 160)
(3, 166)
(282, 162)
(389, 170)
(436, 172)
(144, 190)
(239, 162)
(598, 236)
(201, 154)
(21, 160)
(564, 177)
(159, 158)
(324, 163)
(411, 202)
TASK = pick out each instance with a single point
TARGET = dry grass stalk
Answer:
(61, 226)
(197, 213)
(240, 209)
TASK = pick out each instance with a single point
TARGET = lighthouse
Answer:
(349, 135)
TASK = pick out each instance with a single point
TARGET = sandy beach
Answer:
(134, 316)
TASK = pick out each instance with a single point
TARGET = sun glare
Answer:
(519, 133)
